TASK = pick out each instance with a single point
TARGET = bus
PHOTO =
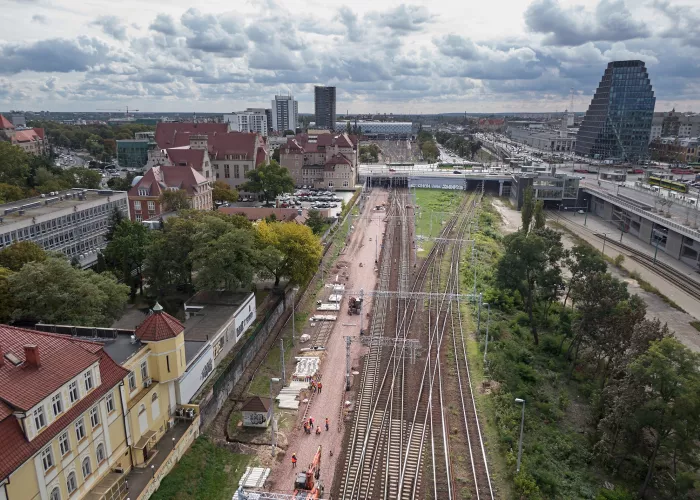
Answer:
(666, 184)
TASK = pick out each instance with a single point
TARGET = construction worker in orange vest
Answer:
(320, 386)
(294, 460)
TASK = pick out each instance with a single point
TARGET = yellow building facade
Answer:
(73, 422)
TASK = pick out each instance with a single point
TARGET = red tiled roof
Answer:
(343, 141)
(5, 123)
(166, 132)
(241, 143)
(159, 178)
(187, 157)
(338, 159)
(159, 326)
(26, 136)
(16, 449)
(39, 132)
(61, 359)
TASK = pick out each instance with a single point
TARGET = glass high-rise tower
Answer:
(618, 121)
(324, 107)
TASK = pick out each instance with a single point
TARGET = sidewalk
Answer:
(329, 402)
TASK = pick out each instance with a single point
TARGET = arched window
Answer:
(87, 467)
(154, 397)
(100, 453)
(71, 483)
(55, 494)
(142, 409)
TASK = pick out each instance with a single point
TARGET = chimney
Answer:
(31, 355)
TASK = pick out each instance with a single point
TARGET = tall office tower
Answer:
(325, 107)
(284, 113)
(617, 124)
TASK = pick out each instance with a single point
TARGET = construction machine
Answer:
(307, 484)
(354, 306)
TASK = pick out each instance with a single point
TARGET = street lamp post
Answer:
(522, 426)
(273, 436)
(294, 303)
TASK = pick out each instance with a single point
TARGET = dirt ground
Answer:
(360, 250)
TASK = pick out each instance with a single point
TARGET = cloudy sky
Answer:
(383, 55)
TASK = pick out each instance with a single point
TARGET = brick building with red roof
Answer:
(60, 414)
(31, 140)
(232, 154)
(145, 193)
(323, 161)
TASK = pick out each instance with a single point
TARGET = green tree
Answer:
(315, 221)
(539, 217)
(18, 254)
(126, 253)
(530, 265)
(222, 193)
(9, 192)
(115, 218)
(288, 250)
(7, 304)
(82, 177)
(121, 183)
(582, 261)
(14, 164)
(276, 154)
(527, 210)
(174, 200)
(269, 180)
(53, 291)
(226, 263)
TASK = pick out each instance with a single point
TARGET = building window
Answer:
(138, 218)
(144, 370)
(237, 171)
(110, 403)
(142, 409)
(94, 417)
(47, 458)
(71, 483)
(143, 192)
(88, 380)
(86, 467)
(79, 430)
(227, 173)
(137, 205)
(151, 206)
(100, 453)
(154, 397)
(55, 494)
(39, 418)
(132, 382)
(64, 443)
(57, 404)
(73, 391)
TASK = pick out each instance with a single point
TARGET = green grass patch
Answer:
(205, 471)
(696, 325)
(435, 207)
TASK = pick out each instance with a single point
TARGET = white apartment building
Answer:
(73, 222)
(250, 120)
(284, 113)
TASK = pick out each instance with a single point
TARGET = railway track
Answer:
(397, 435)
(669, 273)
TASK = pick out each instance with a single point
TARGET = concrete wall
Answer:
(674, 242)
(645, 230)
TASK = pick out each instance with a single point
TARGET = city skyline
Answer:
(508, 56)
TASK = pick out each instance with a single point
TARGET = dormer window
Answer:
(73, 391)
(143, 192)
(39, 418)
(88, 380)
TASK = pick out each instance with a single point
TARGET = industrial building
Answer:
(73, 222)
(378, 130)
(618, 122)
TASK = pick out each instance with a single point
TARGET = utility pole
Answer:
(348, 341)
(522, 426)
(488, 322)
(362, 293)
(284, 378)
(478, 316)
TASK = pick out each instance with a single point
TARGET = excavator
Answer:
(307, 485)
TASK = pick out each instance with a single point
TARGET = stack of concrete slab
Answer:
(323, 317)
(288, 398)
(254, 477)
(307, 367)
(335, 297)
(328, 307)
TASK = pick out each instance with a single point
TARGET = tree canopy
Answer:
(53, 291)
(125, 254)
(18, 254)
(269, 181)
(174, 200)
(222, 193)
(288, 250)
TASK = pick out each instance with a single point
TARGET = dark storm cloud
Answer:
(611, 21)
(54, 55)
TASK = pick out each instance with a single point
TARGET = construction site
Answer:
(389, 339)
